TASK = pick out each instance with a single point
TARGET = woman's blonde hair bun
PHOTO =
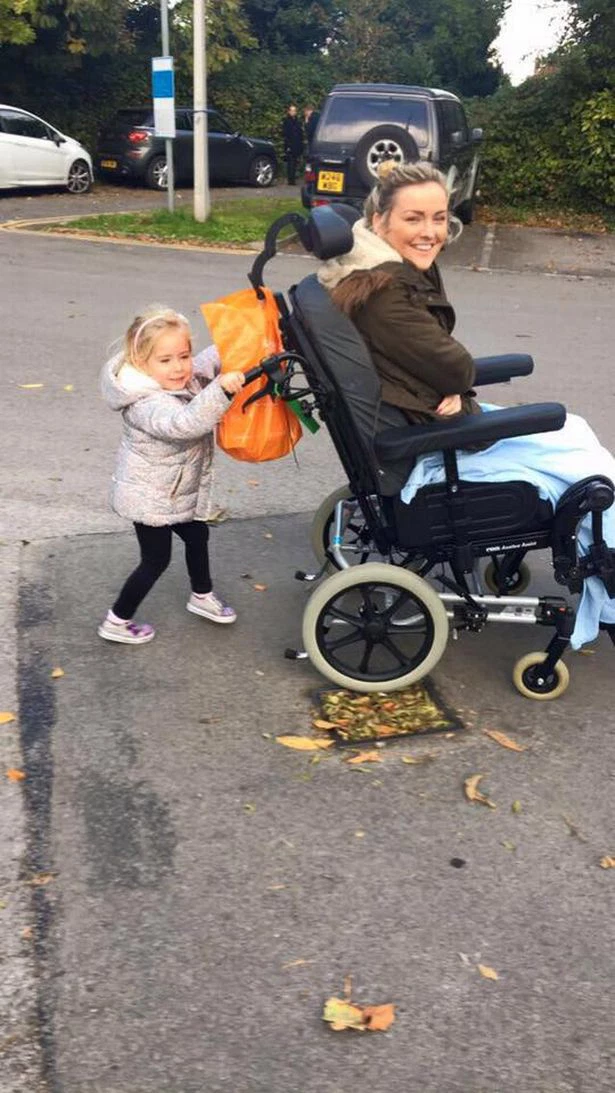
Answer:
(385, 168)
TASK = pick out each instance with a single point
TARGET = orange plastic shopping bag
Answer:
(245, 329)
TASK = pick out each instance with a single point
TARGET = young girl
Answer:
(162, 482)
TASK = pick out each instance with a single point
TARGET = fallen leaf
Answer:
(607, 862)
(415, 761)
(259, 587)
(39, 880)
(253, 482)
(5, 717)
(379, 1018)
(27, 933)
(275, 887)
(68, 387)
(365, 757)
(296, 964)
(487, 972)
(472, 792)
(249, 807)
(503, 740)
(303, 743)
(29, 386)
(267, 535)
(342, 1015)
(323, 726)
(57, 673)
(359, 834)
(516, 807)
(15, 775)
(508, 845)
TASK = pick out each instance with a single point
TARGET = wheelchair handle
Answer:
(269, 367)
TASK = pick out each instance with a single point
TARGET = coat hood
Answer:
(369, 250)
(122, 384)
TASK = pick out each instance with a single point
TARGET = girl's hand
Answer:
(451, 404)
(232, 382)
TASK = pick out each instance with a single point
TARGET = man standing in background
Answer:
(292, 137)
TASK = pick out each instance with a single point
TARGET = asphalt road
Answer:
(209, 889)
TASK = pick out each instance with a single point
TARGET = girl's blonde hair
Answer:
(145, 328)
(396, 176)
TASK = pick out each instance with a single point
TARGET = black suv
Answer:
(129, 148)
(363, 124)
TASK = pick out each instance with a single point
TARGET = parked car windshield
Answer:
(217, 124)
(347, 118)
(22, 125)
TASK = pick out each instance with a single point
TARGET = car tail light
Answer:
(136, 136)
(309, 175)
(320, 201)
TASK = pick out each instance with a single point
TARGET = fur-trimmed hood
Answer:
(368, 250)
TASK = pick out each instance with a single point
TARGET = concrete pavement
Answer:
(193, 860)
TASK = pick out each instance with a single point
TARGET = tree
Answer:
(291, 26)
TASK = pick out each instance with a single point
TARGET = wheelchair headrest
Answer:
(327, 232)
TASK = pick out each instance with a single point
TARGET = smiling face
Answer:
(417, 223)
(170, 359)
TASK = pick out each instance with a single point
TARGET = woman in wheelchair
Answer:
(476, 480)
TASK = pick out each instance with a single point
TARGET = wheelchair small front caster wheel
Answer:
(532, 683)
(514, 585)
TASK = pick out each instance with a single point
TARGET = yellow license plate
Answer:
(330, 181)
(108, 163)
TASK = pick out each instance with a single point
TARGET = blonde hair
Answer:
(145, 329)
(396, 176)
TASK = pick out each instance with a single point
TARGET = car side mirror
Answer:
(57, 139)
(477, 136)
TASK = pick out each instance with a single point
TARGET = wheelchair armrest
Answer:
(467, 432)
(500, 369)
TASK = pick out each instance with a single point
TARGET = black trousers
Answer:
(155, 546)
(292, 163)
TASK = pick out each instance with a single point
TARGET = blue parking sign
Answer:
(163, 93)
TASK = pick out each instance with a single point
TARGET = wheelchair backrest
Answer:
(338, 362)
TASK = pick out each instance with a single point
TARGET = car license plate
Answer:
(331, 182)
(108, 163)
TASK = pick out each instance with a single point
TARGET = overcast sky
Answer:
(529, 28)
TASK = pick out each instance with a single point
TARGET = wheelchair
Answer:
(395, 578)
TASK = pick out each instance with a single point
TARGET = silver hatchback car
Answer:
(34, 153)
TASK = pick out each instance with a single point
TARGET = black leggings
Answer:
(155, 546)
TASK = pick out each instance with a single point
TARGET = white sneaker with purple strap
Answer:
(127, 632)
(211, 607)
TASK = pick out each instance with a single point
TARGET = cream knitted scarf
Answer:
(369, 250)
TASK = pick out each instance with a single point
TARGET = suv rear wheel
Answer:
(156, 174)
(382, 143)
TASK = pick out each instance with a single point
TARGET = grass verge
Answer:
(230, 223)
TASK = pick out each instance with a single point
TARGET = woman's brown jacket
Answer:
(406, 320)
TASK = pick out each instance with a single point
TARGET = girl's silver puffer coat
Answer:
(163, 471)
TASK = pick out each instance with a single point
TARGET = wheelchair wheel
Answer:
(529, 681)
(515, 585)
(374, 627)
(355, 547)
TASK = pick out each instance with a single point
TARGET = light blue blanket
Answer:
(552, 462)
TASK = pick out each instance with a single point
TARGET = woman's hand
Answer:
(232, 382)
(451, 404)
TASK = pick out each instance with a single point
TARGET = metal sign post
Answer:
(201, 159)
(163, 91)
